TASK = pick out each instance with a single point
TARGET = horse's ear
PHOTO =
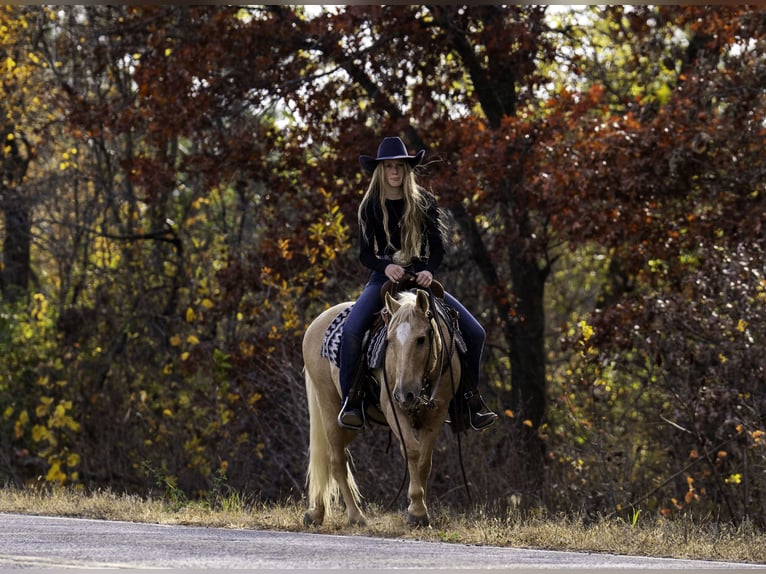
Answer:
(421, 302)
(392, 305)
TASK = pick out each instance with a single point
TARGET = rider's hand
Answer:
(394, 272)
(424, 278)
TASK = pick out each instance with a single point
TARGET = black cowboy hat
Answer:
(391, 148)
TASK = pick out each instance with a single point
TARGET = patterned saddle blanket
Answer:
(375, 340)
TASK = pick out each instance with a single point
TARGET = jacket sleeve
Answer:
(367, 255)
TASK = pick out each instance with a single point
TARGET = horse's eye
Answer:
(421, 341)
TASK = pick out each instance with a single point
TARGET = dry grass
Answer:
(679, 538)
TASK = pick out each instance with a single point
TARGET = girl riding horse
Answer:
(401, 233)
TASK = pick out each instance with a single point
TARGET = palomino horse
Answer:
(421, 372)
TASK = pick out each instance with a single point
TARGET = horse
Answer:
(420, 373)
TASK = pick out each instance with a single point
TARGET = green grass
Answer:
(642, 535)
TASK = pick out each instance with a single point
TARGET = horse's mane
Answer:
(408, 308)
(406, 297)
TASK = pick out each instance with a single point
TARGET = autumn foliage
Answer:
(179, 192)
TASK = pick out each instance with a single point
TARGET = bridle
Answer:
(433, 369)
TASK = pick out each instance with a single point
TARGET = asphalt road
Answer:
(35, 542)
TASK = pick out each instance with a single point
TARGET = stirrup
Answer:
(351, 416)
(482, 421)
(478, 419)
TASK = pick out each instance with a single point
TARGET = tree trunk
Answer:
(527, 340)
(16, 250)
(15, 270)
(527, 356)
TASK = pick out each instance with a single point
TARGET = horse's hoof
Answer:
(309, 520)
(418, 521)
(360, 521)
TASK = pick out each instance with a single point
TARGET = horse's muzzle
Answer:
(410, 400)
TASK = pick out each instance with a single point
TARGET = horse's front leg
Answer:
(419, 457)
(417, 511)
(411, 446)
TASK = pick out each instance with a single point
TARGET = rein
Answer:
(439, 360)
(398, 428)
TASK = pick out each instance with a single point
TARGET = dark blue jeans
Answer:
(362, 315)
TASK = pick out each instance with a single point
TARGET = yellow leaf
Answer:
(175, 340)
(192, 340)
(55, 474)
(587, 330)
(190, 315)
(254, 399)
(39, 433)
(529, 423)
(207, 303)
(72, 424)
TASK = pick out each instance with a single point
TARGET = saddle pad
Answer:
(331, 342)
(376, 349)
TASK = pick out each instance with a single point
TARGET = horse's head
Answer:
(412, 347)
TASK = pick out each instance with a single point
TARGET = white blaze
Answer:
(403, 333)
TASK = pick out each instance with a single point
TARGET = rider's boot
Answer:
(351, 415)
(467, 408)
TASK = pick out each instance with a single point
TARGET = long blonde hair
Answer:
(416, 204)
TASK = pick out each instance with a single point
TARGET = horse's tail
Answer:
(321, 486)
(323, 489)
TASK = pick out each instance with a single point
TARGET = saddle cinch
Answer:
(365, 388)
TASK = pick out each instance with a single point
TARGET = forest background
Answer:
(179, 192)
